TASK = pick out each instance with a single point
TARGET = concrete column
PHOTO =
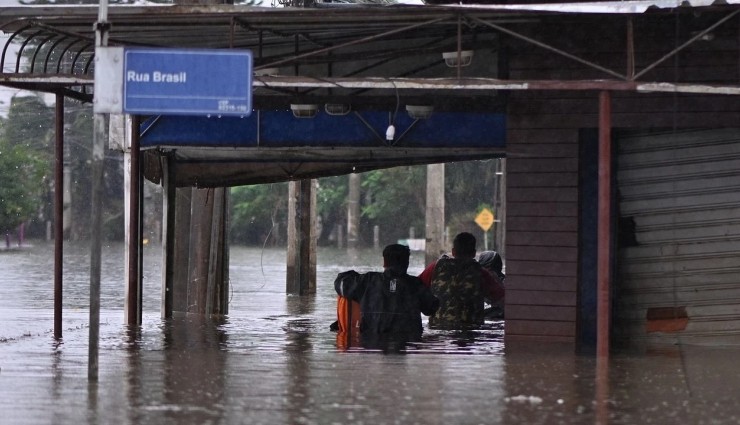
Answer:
(435, 212)
(353, 211)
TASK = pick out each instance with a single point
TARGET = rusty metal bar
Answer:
(604, 252)
(686, 44)
(7, 44)
(550, 48)
(58, 212)
(63, 53)
(352, 43)
(38, 49)
(77, 56)
(50, 52)
(23, 47)
(134, 229)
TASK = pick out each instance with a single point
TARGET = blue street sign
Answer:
(187, 81)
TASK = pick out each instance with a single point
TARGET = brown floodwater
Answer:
(273, 360)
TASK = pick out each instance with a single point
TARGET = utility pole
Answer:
(100, 134)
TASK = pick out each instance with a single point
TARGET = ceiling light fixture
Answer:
(304, 110)
(337, 108)
(451, 58)
(419, 112)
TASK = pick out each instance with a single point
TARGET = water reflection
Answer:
(274, 361)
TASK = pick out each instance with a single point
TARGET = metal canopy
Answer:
(361, 53)
(374, 58)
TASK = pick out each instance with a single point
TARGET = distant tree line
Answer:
(27, 165)
(393, 199)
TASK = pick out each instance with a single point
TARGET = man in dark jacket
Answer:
(392, 301)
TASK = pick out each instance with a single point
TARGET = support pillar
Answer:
(180, 250)
(353, 211)
(435, 212)
(604, 227)
(169, 208)
(132, 308)
(208, 279)
(58, 212)
(301, 261)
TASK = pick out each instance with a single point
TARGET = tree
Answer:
(394, 199)
(255, 212)
(469, 187)
(78, 139)
(29, 122)
(22, 175)
(25, 162)
(330, 206)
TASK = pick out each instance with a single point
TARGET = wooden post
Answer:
(223, 265)
(293, 261)
(301, 255)
(435, 212)
(215, 257)
(604, 227)
(200, 249)
(181, 249)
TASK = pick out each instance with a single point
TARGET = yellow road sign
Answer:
(484, 219)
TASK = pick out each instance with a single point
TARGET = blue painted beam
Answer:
(267, 129)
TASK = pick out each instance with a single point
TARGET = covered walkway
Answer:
(547, 72)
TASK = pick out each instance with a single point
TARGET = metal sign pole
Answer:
(99, 137)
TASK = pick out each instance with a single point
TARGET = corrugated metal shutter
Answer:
(681, 281)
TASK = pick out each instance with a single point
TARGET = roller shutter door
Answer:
(678, 265)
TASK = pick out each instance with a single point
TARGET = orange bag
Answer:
(348, 315)
(348, 319)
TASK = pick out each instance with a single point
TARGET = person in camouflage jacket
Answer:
(461, 285)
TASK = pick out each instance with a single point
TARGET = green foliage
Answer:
(255, 210)
(395, 200)
(78, 140)
(331, 195)
(21, 184)
(331, 198)
(25, 162)
(469, 186)
(29, 122)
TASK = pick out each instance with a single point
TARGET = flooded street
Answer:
(273, 360)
